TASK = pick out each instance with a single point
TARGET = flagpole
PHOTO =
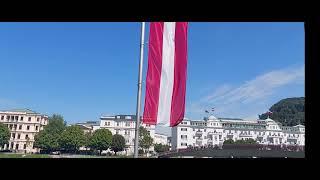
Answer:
(136, 143)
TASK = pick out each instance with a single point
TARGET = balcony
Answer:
(245, 135)
(214, 133)
(292, 137)
(274, 135)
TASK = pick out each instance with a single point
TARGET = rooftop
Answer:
(24, 110)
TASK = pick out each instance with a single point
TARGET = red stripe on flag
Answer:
(180, 73)
(153, 73)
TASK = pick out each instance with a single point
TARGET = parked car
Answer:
(55, 153)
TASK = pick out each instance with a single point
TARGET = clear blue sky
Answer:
(83, 70)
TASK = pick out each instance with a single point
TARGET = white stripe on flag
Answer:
(167, 74)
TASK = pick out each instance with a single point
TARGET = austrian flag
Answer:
(166, 74)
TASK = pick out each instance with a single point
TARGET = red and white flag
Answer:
(166, 74)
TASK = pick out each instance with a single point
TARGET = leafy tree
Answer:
(228, 141)
(87, 139)
(145, 140)
(118, 143)
(159, 148)
(72, 138)
(250, 141)
(289, 111)
(240, 141)
(101, 139)
(48, 138)
(4, 134)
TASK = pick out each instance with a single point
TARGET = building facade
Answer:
(88, 126)
(214, 131)
(160, 139)
(23, 124)
(125, 126)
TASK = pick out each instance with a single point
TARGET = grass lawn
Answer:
(7, 155)
(13, 155)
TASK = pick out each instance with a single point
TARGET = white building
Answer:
(215, 131)
(160, 139)
(125, 126)
(88, 126)
(23, 124)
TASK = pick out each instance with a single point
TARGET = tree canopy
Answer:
(4, 134)
(118, 143)
(100, 140)
(72, 138)
(145, 140)
(289, 111)
(48, 138)
(159, 148)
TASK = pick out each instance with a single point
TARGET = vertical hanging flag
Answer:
(166, 74)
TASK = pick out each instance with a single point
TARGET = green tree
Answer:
(72, 138)
(48, 138)
(240, 141)
(118, 143)
(87, 139)
(251, 141)
(4, 134)
(101, 139)
(159, 148)
(228, 141)
(289, 111)
(145, 140)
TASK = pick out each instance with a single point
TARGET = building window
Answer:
(205, 130)
(183, 129)
(16, 118)
(25, 146)
(183, 136)
(193, 129)
(183, 144)
(127, 123)
(8, 118)
(17, 146)
(117, 131)
(29, 119)
(36, 128)
(2, 117)
(117, 123)
(21, 118)
(27, 136)
(28, 127)
(18, 136)
(13, 135)
(38, 119)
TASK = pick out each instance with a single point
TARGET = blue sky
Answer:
(83, 70)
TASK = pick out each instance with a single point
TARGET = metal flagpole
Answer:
(136, 143)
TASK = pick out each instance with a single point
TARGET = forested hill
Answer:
(289, 111)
